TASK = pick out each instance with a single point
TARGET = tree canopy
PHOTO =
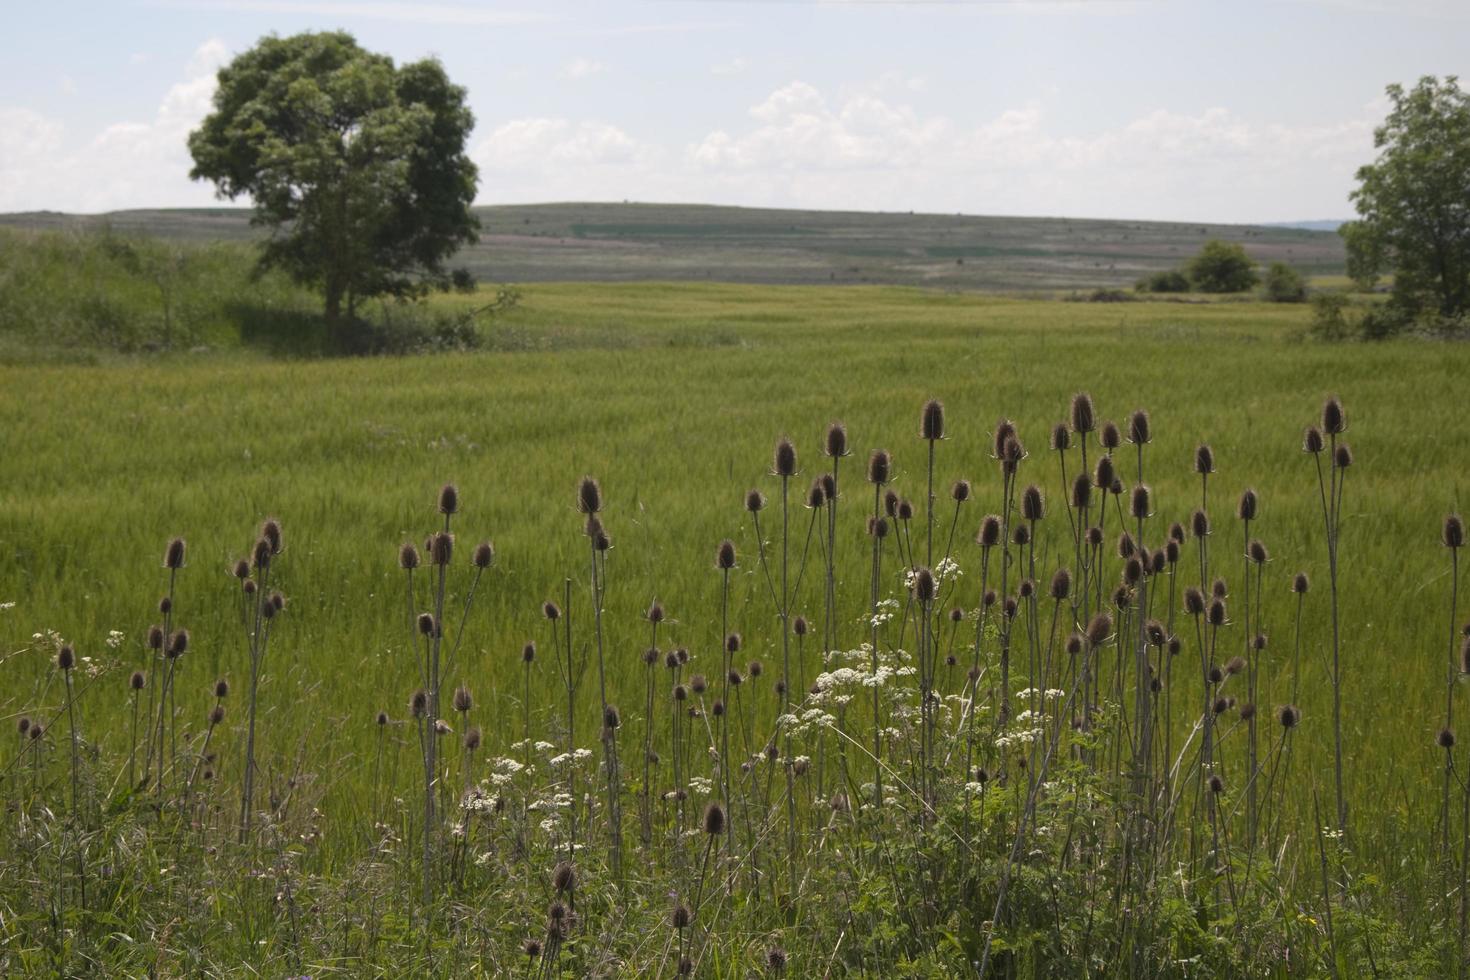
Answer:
(1413, 202)
(1222, 267)
(359, 168)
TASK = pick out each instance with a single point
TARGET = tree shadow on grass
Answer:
(299, 333)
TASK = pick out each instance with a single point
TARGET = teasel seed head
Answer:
(1223, 705)
(1446, 738)
(1126, 547)
(776, 958)
(1109, 436)
(829, 486)
(138, 680)
(408, 557)
(1260, 642)
(1081, 491)
(551, 611)
(735, 678)
(1094, 537)
(589, 496)
(173, 555)
(426, 624)
(1139, 428)
(988, 599)
(931, 421)
(732, 643)
(1334, 420)
(1217, 785)
(698, 683)
(671, 660)
(1171, 552)
(1176, 532)
(1234, 666)
(1257, 552)
(1194, 601)
(754, 668)
(1453, 532)
(905, 510)
(1082, 414)
(611, 717)
(216, 715)
(1175, 646)
(879, 465)
(989, 535)
(1246, 509)
(681, 917)
(1300, 584)
(221, 688)
(1061, 584)
(783, 460)
(714, 819)
(155, 637)
(1247, 711)
(563, 877)
(178, 643)
(878, 527)
(1099, 629)
(1033, 507)
(441, 727)
(1010, 607)
(601, 541)
(799, 626)
(1141, 503)
(448, 499)
(262, 554)
(650, 656)
(1215, 675)
(800, 765)
(1216, 614)
(441, 548)
(1199, 524)
(418, 703)
(655, 612)
(1011, 455)
(960, 492)
(1026, 589)
(1289, 716)
(681, 654)
(1133, 571)
(890, 504)
(755, 501)
(382, 718)
(1219, 589)
(1005, 431)
(270, 530)
(924, 585)
(1154, 630)
(1104, 474)
(1343, 458)
(462, 700)
(1312, 440)
(815, 495)
(1122, 598)
(1021, 535)
(66, 657)
(1204, 459)
(1061, 438)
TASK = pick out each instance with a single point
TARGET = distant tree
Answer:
(1164, 281)
(1283, 284)
(1221, 267)
(357, 167)
(1414, 201)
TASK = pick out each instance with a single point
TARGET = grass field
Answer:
(672, 395)
(628, 242)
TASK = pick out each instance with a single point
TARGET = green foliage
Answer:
(1329, 316)
(1164, 281)
(1222, 267)
(358, 168)
(1283, 284)
(1411, 201)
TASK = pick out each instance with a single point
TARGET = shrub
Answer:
(1222, 267)
(1165, 281)
(1283, 284)
(1329, 316)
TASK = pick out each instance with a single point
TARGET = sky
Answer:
(1187, 110)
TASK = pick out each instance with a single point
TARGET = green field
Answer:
(672, 395)
(628, 242)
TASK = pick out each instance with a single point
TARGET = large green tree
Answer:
(1414, 201)
(357, 167)
(1222, 267)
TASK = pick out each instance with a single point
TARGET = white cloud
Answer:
(579, 68)
(735, 66)
(538, 144)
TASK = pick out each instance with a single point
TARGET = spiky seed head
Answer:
(1021, 534)
(1061, 438)
(989, 535)
(1215, 675)
(681, 917)
(1155, 632)
(1033, 507)
(783, 459)
(462, 699)
(1199, 524)
(611, 717)
(1142, 506)
(799, 626)
(878, 527)
(956, 615)
(600, 541)
(448, 499)
(880, 463)
(1247, 711)
(1126, 548)
(1216, 615)
(1453, 532)
(178, 643)
(1133, 571)
(261, 556)
(1223, 705)
(1122, 598)
(165, 606)
(484, 555)
(1446, 738)
(563, 877)
(732, 642)
(829, 486)
(1061, 584)
(1300, 584)
(1082, 413)
(682, 655)
(1109, 436)
(924, 585)
(735, 678)
(800, 765)
(277, 601)
(1334, 420)
(241, 569)
(472, 739)
(1011, 455)
(1194, 601)
(66, 657)
(1171, 552)
(216, 715)
(1219, 589)
(1204, 459)
(551, 611)
(988, 599)
(138, 680)
(221, 688)
(1234, 666)
(816, 497)
(1099, 629)
(1010, 607)
(1027, 588)
(905, 510)
(960, 492)
(1117, 488)
(426, 624)
(699, 683)
(589, 496)
(1249, 503)
(671, 660)
(1343, 458)
(1289, 716)
(650, 656)
(776, 958)
(1081, 491)
(1217, 785)
(1139, 427)
(441, 727)
(1094, 537)
(931, 421)
(754, 668)
(890, 503)
(441, 548)
(1257, 552)
(418, 703)
(1175, 646)
(655, 612)
(1005, 430)
(714, 819)
(1074, 644)
(836, 443)
(36, 730)
(1176, 532)
(1312, 440)
(382, 718)
(1104, 474)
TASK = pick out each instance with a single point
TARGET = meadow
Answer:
(673, 396)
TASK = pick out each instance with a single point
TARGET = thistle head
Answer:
(960, 492)
(408, 557)
(836, 445)
(1334, 420)
(783, 460)
(173, 555)
(1109, 436)
(1081, 491)
(1082, 414)
(1204, 459)
(270, 530)
(1312, 440)
(589, 496)
(1061, 438)
(1033, 508)
(1245, 510)
(989, 534)
(755, 501)
(1139, 428)
(448, 499)
(879, 466)
(931, 420)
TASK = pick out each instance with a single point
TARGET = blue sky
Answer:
(1173, 110)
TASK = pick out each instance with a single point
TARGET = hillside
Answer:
(625, 242)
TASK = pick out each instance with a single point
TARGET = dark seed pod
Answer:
(1217, 785)
(1176, 532)
(248, 586)
(989, 535)
(960, 492)
(681, 918)
(1125, 545)
(382, 718)
(1061, 438)
(448, 499)
(755, 501)
(1216, 614)
(988, 599)
(905, 510)
(1094, 537)
(278, 601)
(1312, 440)
(551, 611)
(682, 654)
(735, 678)
(1259, 642)
(799, 626)
(931, 422)
(815, 495)
(418, 703)
(1246, 509)
(1104, 473)
(441, 548)
(783, 460)
(671, 660)
(1026, 589)
(1222, 705)
(221, 688)
(1300, 584)
(611, 718)
(1160, 561)
(1175, 646)
(1234, 666)
(714, 819)
(1171, 552)
(924, 585)
(241, 569)
(1061, 584)
(698, 683)
(1219, 590)
(1074, 644)
(1122, 598)
(1021, 535)
(829, 486)
(1453, 532)
(1343, 458)
(1133, 571)
(956, 615)
(650, 656)
(462, 699)
(1082, 413)
(1032, 506)
(776, 958)
(879, 465)
(890, 504)
(1215, 675)
(1199, 523)
(878, 527)
(173, 555)
(1334, 420)
(1194, 601)
(754, 668)
(138, 680)
(270, 530)
(564, 877)
(1099, 629)
(732, 640)
(1081, 491)
(408, 557)
(484, 555)
(589, 496)
(178, 643)
(1446, 738)
(655, 612)
(1154, 630)
(1139, 428)
(1010, 607)
(262, 554)
(532, 948)
(1005, 431)
(426, 624)
(1109, 436)
(1289, 716)
(216, 714)
(836, 440)
(1141, 503)
(1257, 552)
(66, 657)
(1204, 460)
